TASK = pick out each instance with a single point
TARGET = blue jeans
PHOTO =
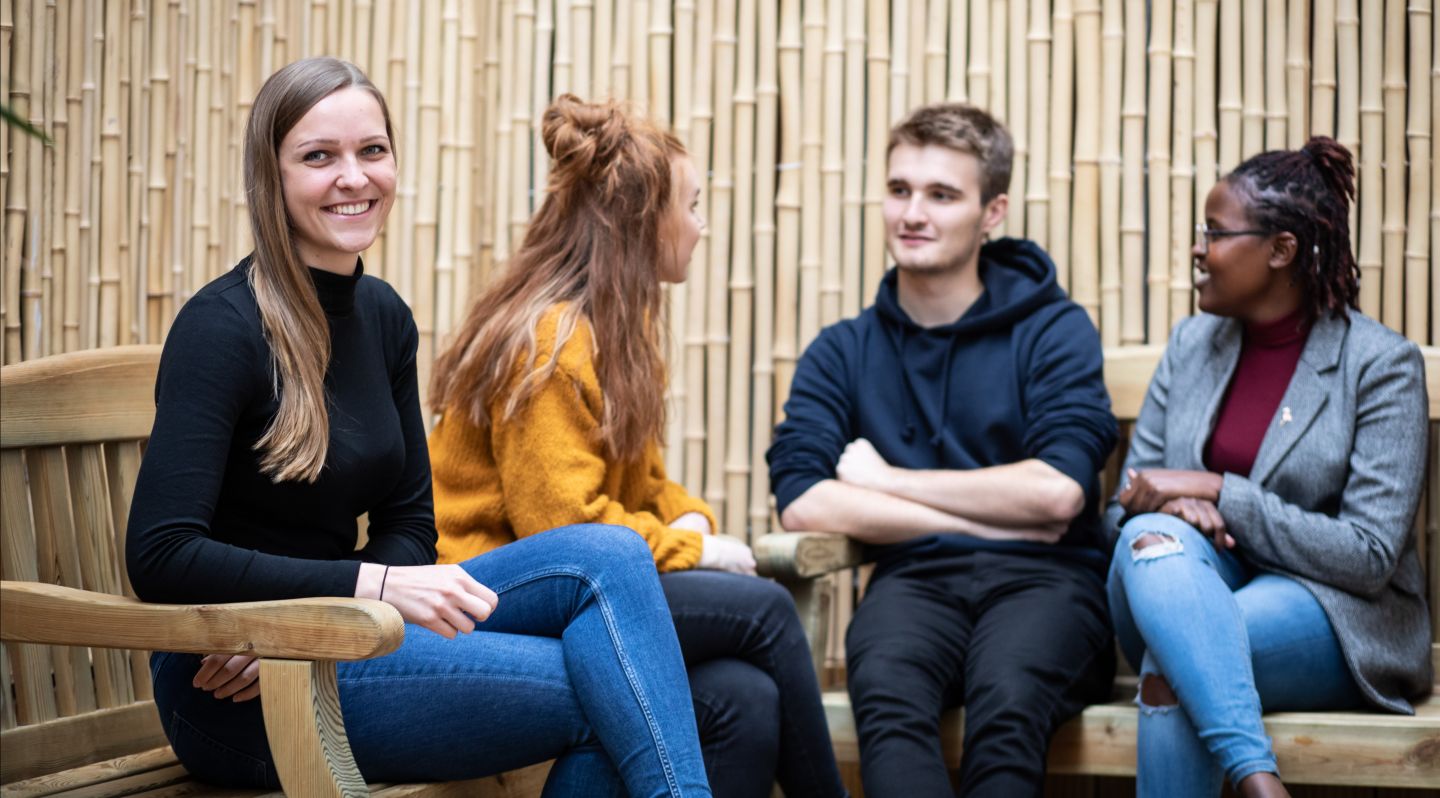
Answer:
(1231, 641)
(579, 663)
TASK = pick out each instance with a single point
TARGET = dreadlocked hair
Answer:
(1307, 193)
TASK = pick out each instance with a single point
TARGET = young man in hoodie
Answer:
(957, 426)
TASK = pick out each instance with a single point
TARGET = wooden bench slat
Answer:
(30, 665)
(99, 569)
(57, 745)
(99, 772)
(57, 560)
(170, 776)
(122, 467)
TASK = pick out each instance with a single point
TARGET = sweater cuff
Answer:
(1239, 500)
(683, 553)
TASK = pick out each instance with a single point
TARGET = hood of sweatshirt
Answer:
(1018, 278)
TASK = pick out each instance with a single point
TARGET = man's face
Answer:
(934, 219)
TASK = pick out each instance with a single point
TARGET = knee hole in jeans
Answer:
(1154, 545)
(1155, 693)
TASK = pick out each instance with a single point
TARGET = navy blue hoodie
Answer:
(1019, 376)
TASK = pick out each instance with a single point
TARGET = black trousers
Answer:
(1023, 642)
(757, 702)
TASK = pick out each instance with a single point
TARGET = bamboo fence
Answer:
(1124, 114)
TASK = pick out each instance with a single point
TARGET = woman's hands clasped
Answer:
(1191, 496)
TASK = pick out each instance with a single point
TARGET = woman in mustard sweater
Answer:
(553, 411)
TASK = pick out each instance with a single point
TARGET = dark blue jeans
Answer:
(578, 663)
(756, 698)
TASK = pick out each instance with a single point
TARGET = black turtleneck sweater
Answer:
(207, 526)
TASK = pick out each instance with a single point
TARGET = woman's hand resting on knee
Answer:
(1204, 516)
(442, 598)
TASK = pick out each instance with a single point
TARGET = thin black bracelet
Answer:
(383, 577)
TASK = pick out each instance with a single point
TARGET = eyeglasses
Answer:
(1203, 235)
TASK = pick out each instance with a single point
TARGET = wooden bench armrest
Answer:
(297, 629)
(791, 556)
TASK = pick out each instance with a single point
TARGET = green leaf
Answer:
(14, 120)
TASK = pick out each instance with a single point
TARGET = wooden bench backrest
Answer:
(72, 432)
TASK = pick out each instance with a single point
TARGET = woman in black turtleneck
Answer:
(287, 407)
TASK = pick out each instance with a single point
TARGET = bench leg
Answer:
(307, 734)
(812, 602)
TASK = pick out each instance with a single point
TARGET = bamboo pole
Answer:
(876, 135)
(661, 32)
(1434, 181)
(736, 413)
(1230, 106)
(1132, 180)
(157, 187)
(1112, 61)
(1277, 106)
(1206, 144)
(111, 180)
(1418, 132)
(978, 70)
(603, 49)
(540, 94)
(813, 217)
(1037, 200)
(681, 55)
(937, 21)
(35, 269)
(1062, 130)
(1158, 161)
(767, 93)
(1297, 67)
(134, 96)
(75, 133)
(1347, 111)
(463, 210)
(919, 39)
(178, 154)
(1322, 78)
(445, 255)
(959, 88)
(619, 66)
(1252, 138)
(1182, 170)
(563, 66)
(488, 167)
(696, 323)
(1084, 234)
(1372, 137)
(853, 170)
(8, 316)
(17, 187)
(430, 133)
(900, 31)
(722, 190)
(833, 153)
(1018, 120)
(1392, 303)
(999, 73)
(797, 241)
(52, 182)
(581, 17)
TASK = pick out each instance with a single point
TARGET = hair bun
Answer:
(582, 138)
(1335, 163)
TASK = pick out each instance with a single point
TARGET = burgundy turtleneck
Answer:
(1268, 354)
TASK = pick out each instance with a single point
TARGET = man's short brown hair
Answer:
(967, 129)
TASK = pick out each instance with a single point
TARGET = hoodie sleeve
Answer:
(808, 443)
(1067, 410)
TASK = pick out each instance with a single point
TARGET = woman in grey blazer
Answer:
(1264, 556)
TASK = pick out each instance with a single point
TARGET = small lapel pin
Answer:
(1285, 417)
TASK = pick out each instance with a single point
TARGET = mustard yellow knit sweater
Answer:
(545, 467)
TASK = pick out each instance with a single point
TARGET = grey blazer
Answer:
(1335, 484)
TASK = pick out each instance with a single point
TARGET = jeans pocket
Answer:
(214, 762)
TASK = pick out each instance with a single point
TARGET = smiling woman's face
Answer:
(338, 174)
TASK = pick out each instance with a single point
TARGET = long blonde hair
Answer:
(297, 441)
(594, 244)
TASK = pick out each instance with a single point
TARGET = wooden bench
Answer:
(75, 711)
(1334, 748)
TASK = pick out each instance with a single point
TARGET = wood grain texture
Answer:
(307, 733)
(81, 397)
(73, 744)
(804, 555)
(308, 628)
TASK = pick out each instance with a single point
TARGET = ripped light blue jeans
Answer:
(1231, 641)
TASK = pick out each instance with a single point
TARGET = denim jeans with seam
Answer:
(1231, 640)
(579, 662)
(757, 700)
